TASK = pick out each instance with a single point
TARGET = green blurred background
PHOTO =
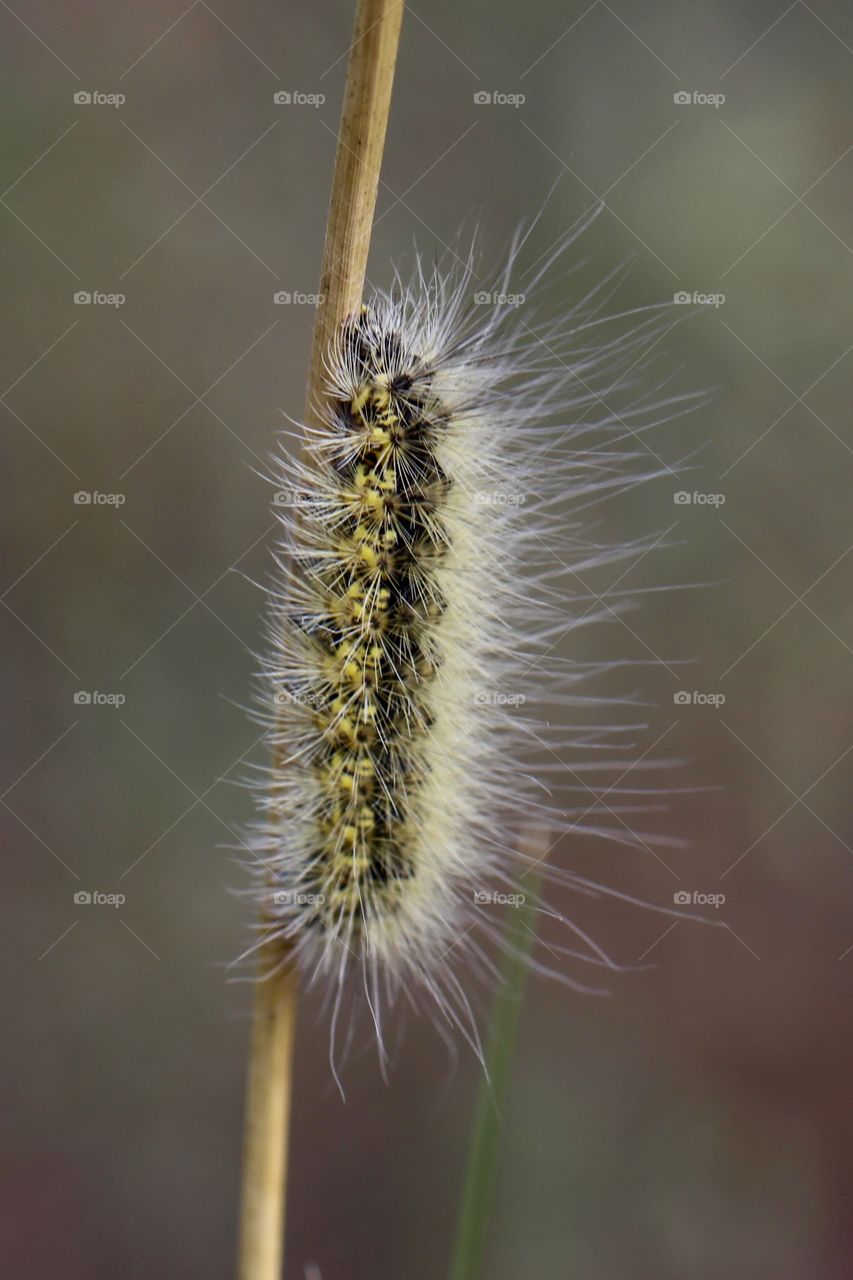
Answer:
(697, 1124)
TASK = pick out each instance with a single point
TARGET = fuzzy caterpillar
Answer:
(415, 614)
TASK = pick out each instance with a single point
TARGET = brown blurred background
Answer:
(695, 1125)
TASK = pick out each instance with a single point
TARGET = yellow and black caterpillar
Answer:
(374, 637)
(435, 553)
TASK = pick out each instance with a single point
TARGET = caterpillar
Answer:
(435, 541)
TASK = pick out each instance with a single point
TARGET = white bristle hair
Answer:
(435, 537)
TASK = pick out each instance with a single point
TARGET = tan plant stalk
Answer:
(361, 142)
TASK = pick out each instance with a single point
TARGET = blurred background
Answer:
(696, 1124)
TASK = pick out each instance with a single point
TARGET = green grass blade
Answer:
(485, 1130)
